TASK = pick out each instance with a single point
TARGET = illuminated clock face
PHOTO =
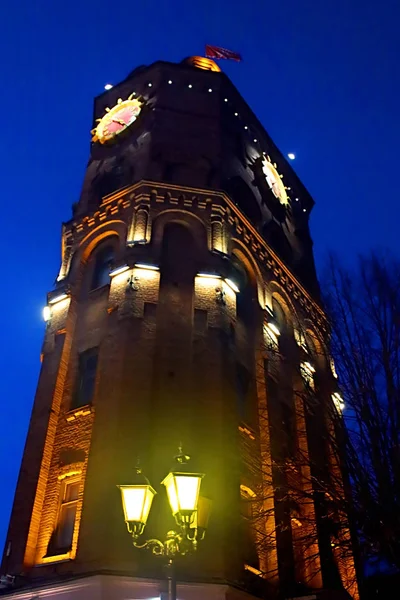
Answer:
(275, 182)
(116, 120)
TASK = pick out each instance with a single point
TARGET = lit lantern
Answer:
(202, 516)
(183, 489)
(136, 502)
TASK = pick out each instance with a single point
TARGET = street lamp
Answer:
(190, 510)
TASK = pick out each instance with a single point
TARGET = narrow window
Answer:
(61, 540)
(66, 520)
(101, 271)
(87, 366)
(307, 372)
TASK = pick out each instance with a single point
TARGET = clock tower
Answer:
(186, 310)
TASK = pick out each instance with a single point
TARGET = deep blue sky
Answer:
(322, 76)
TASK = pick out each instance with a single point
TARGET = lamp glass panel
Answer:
(187, 489)
(203, 512)
(169, 483)
(137, 502)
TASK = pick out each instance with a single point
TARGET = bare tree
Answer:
(364, 308)
(299, 511)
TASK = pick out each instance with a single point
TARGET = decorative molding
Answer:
(218, 207)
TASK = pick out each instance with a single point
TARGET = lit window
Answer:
(307, 372)
(270, 338)
(101, 271)
(87, 367)
(66, 518)
(333, 368)
(300, 339)
(337, 400)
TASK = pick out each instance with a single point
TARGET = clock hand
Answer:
(118, 121)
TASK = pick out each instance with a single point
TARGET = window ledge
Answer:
(244, 429)
(56, 558)
(82, 411)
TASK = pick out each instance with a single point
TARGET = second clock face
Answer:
(116, 120)
(275, 182)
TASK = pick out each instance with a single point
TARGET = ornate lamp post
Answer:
(190, 510)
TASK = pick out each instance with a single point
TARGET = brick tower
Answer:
(186, 310)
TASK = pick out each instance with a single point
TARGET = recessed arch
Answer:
(277, 240)
(241, 194)
(93, 238)
(182, 217)
(241, 252)
(277, 291)
(315, 340)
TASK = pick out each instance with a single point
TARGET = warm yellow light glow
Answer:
(136, 502)
(333, 368)
(46, 313)
(300, 339)
(338, 402)
(209, 275)
(307, 370)
(183, 491)
(271, 325)
(58, 298)
(201, 62)
(271, 338)
(232, 285)
(148, 267)
(119, 270)
(253, 570)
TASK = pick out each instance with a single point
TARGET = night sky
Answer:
(321, 75)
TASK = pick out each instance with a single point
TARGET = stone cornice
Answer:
(198, 199)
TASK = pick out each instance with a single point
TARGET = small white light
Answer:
(304, 210)
(232, 285)
(119, 270)
(255, 140)
(245, 127)
(149, 267)
(46, 313)
(291, 156)
(58, 298)
(296, 199)
(210, 89)
(273, 328)
(236, 114)
(170, 81)
(209, 275)
(108, 86)
(264, 154)
(225, 99)
(190, 85)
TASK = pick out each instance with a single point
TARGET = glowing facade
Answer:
(200, 335)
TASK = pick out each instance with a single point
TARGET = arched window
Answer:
(101, 270)
(244, 198)
(278, 241)
(280, 316)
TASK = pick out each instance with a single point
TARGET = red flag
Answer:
(216, 52)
